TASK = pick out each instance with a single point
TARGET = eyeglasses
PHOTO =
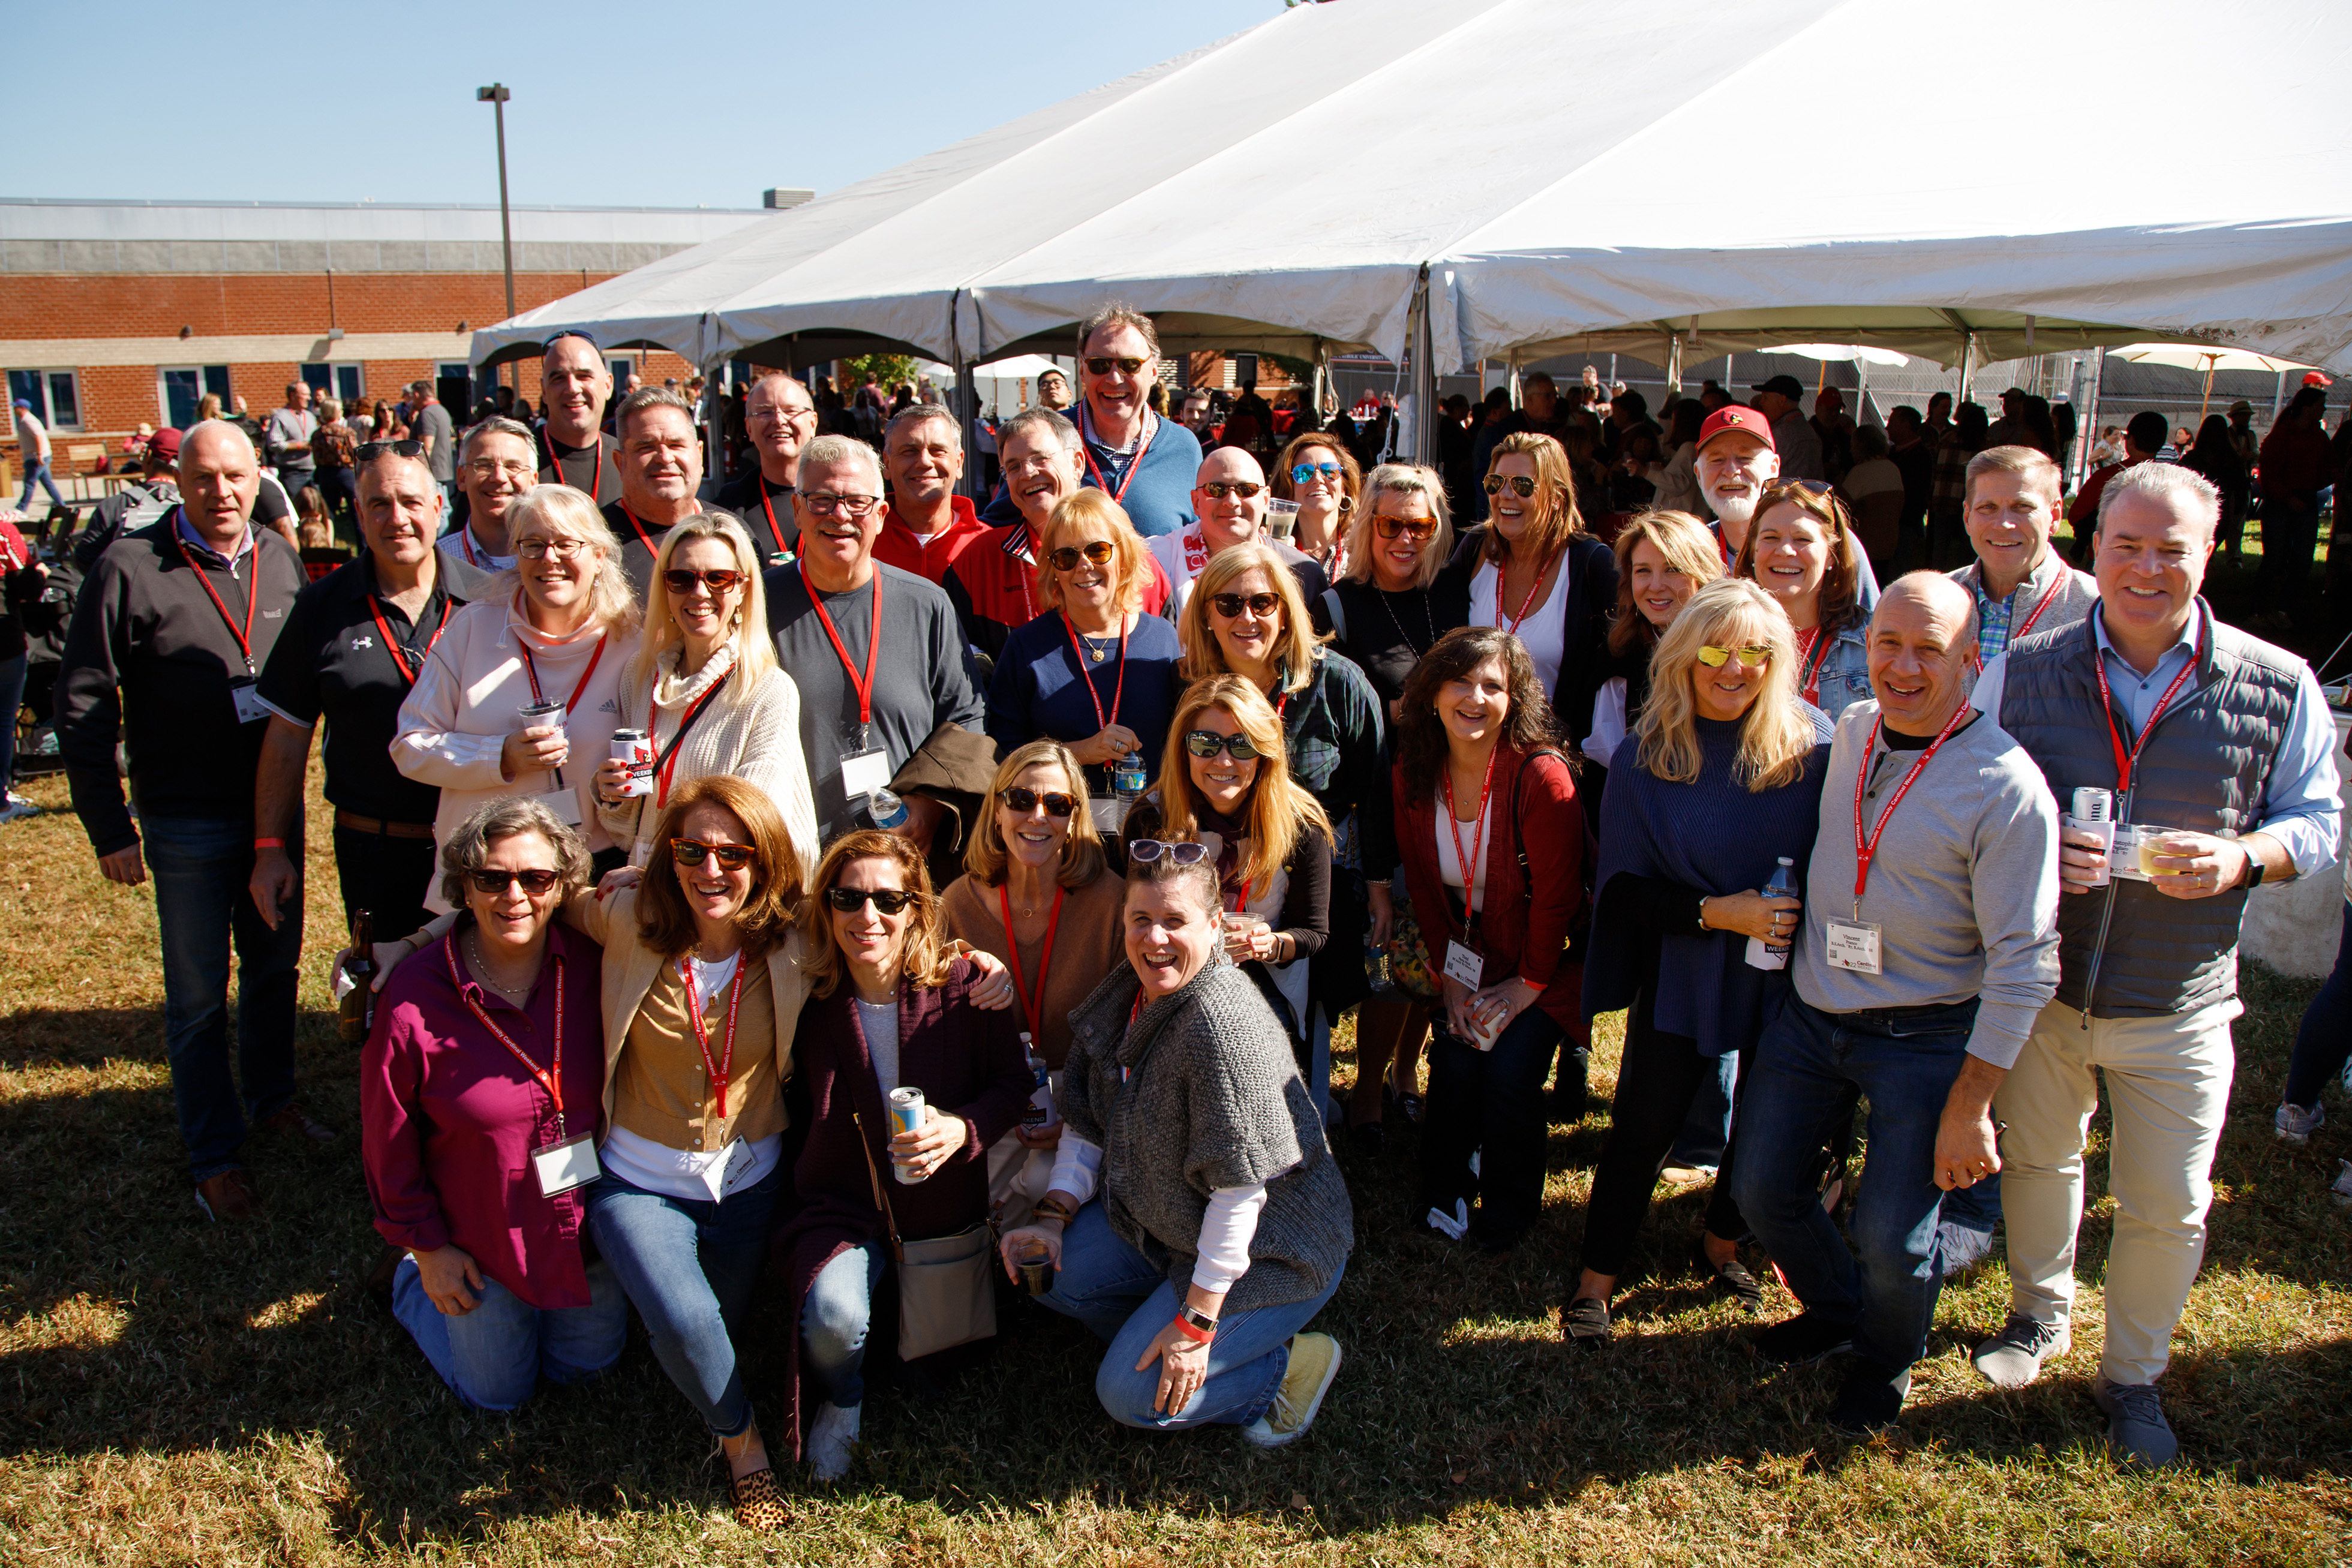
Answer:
(1220, 488)
(722, 581)
(825, 504)
(849, 900)
(1302, 473)
(369, 451)
(1717, 658)
(1066, 559)
(536, 548)
(1208, 744)
(1230, 606)
(1025, 800)
(491, 468)
(1100, 365)
(771, 415)
(538, 884)
(1144, 851)
(694, 852)
(1413, 528)
(1522, 485)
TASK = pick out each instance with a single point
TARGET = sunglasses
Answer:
(1811, 487)
(369, 451)
(694, 852)
(1303, 473)
(1219, 489)
(1208, 744)
(1717, 658)
(725, 580)
(1144, 851)
(1522, 485)
(1231, 605)
(538, 884)
(1416, 529)
(1025, 800)
(1100, 365)
(573, 332)
(1099, 551)
(849, 900)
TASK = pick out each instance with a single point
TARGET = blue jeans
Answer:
(38, 474)
(2325, 1038)
(1707, 1128)
(201, 867)
(492, 1356)
(12, 698)
(834, 1319)
(1490, 1103)
(1904, 1062)
(688, 1268)
(1114, 1290)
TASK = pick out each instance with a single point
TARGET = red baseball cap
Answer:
(1733, 416)
(165, 443)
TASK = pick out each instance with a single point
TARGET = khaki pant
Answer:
(2169, 1079)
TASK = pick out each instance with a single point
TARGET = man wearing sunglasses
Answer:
(887, 694)
(1144, 462)
(170, 630)
(661, 476)
(574, 385)
(1232, 497)
(926, 524)
(354, 645)
(779, 418)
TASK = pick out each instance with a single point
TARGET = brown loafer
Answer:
(758, 1506)
(294, 1119)
(231, 1195)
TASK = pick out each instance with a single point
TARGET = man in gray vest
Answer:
(2220, 757)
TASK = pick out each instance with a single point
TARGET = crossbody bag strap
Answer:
(890, 1221)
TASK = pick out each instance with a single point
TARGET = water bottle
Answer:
(885, 810)
(1762, 954)
(1126, 781)
(1040, 1113)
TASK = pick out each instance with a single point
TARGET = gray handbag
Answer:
(945, 1296)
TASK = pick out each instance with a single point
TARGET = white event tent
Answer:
(1510, 179)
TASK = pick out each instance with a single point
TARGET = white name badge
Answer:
(740, 1161)
(246, 698)
(1853, 944)
(1464, 965)
(863, 773)
(565, 1165)
(1109, 813)
(564, 802)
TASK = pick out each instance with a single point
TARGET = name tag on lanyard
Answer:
(564, 802)
(1463, 963)
(564, 1166)
(1852, 944)
(863, 773)
(246, 697)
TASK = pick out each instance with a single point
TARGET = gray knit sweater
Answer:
(1212, 1099)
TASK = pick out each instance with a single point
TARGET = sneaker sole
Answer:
(1314, 1406)
(1842, 1347)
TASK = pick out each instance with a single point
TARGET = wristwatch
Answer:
(2254, 873)
(1189, 1313)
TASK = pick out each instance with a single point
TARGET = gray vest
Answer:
(2127, 950)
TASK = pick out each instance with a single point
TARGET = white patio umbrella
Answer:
(2207, 358)
(1843, 353)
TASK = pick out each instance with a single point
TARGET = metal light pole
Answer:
(496, 96)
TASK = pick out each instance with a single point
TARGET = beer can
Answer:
(906, 1116)
(635, 748)
(2093, 805)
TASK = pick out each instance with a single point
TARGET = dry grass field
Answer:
(175, 1392)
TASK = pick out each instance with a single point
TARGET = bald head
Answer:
(1923, 652)
(220, 476)
(1227, 516)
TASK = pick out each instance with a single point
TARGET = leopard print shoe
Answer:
(758, 1506)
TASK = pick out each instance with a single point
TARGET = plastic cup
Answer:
(1034, 1261)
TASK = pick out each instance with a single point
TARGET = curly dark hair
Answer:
(1421, 746)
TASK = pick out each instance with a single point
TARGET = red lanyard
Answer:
(1013, 952)
(1528, 603)
(531, 672)
(392, 644)
(2027, 625)
(252, 595)
(551, 1077)
(1864, 849)
(863, 686)
(466, 548)
(643, 537)
(1150, 429)
(1117, 692)
(596, 445)
(1477, 833)
(1723, 543)
(667, 764)
(768, 505)
(1810, 667)
(2126, 765)
(726, 1063)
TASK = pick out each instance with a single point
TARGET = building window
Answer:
(54, 395)
(340, 382)
(178, 389)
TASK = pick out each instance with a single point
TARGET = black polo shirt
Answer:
(766, 511)
(331, 663)
(593, 470)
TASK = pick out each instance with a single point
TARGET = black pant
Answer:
(2290, 535)
(1657, 1079)
(386, 876)
(1489, 1103)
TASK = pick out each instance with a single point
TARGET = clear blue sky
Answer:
(623, 105)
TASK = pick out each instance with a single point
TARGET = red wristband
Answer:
(1197, 1336)
(270, 844)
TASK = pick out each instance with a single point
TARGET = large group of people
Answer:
(817, 877)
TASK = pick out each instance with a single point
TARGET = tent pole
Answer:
(1967, 353)
(1674, 365)
(1424, 381)
(2087, 436)
(965, 400)
(2206, 406)
(2278, 398)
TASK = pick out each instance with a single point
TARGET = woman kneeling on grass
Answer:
(481, 1093)
(1220, 1225)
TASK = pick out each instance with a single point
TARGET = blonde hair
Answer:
(923, 960)
(1775, 734)
(1685, 547)
(567, 513)
(1294, 651)
(1559, 520)
(1130, 559)
(2030, 463)
(985, 853)
(1404, 479)
(755, 649)
(1278, 808)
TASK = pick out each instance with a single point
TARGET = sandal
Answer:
(758, 1506)
(1733, 1280)
(1585, 1323)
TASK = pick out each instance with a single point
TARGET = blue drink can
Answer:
(906, 1116)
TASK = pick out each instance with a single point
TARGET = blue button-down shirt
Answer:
(2301, 808)
(196, 541)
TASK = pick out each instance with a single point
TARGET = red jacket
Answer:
(2295, 460)
(1523, 929)
(993, 583)
(897, 545)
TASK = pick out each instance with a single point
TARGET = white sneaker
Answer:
(1314, 1363)
(2342, 1190)
(17, 807)
(2296, 1123)
(831, 1440)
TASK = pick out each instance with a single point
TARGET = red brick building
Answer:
(117, 313)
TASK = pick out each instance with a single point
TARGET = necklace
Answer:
(1094, 653)
(1427, 620)
(511, 992)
